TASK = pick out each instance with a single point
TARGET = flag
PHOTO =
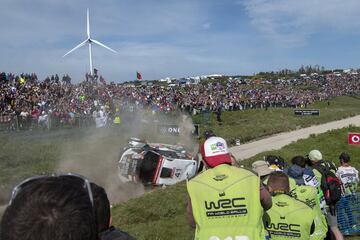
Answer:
(138, 76)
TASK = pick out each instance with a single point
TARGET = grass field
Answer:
(161, 214)
(256, 123)
(94, 153)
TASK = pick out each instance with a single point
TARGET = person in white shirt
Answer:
(349, 177)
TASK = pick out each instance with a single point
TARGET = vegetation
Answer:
(161, 213)
(23, 154)
(257, 123)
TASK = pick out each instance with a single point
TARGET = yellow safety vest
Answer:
(308, 195)
(117, 120)
(288, 219)
(226, 204)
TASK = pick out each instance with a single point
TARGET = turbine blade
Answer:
(88, 23)
(78, 46)
(103, 45)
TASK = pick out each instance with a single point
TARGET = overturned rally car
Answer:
(156, 163)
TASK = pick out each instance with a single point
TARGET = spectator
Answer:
(50, 208)
(316, 159)
(222, 202)
(349, 177)
(102, 206)
(263, 170)
(276, 162)
(303, 187)
(288, 218)
(300, 174)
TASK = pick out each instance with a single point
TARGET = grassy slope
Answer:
(24, 154)
(161, 214)
(256, 123)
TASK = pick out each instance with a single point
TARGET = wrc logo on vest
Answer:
(284, 229)
(233, 206)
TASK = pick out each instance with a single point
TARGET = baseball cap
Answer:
(315, 155)
(262, 168)
(214, 152)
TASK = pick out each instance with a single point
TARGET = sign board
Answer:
(307, 112)
(354, 138)
(173, 129)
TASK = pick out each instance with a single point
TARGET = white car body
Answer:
(156, 163)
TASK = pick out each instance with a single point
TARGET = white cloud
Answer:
(292, 21)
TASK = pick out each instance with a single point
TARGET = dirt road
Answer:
(282, 139)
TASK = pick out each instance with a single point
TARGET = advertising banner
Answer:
(307, 112)
(354, 138)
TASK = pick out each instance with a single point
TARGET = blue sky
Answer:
(172, 38)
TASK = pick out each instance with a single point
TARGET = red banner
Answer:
(354, 138)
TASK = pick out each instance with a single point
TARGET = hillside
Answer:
(161, 213)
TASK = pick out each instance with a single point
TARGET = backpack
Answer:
(330, 184)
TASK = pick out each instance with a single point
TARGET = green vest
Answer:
(288, 219)
(292, 184)
(117, 120)
(308, 195)
(320, 194)
(226, 204)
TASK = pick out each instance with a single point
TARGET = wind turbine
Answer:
(90, 41)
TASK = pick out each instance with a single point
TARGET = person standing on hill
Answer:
(288, 218)
(222, 202)
(318, 165)
(303, 188)
(349, 177)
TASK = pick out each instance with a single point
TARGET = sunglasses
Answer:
(26, 182)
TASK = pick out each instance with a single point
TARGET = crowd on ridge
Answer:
(26, 96)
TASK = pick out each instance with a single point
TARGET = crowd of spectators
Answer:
(27, 97)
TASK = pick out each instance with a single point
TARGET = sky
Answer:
(172, 38)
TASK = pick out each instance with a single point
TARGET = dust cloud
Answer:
(97, 154)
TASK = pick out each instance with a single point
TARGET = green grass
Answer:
(161, 213)
(256, 123)
(330, 145)
(94, 153)
(24, 154)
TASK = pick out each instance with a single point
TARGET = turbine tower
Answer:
(90, 41)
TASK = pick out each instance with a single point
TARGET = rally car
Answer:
(156, 163)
